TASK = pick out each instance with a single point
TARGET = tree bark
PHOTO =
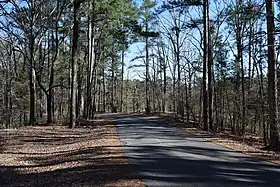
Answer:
(73, 89)
(205, 63)
(147, 63)
(272, 79)
(122, 83)
(209, 77)
(91, 60)
(32, 102)
(180, 103)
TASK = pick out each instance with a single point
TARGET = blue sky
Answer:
(134, 49)
(215, 7)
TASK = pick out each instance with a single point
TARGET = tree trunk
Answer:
(73, 89)
(187, 98)
(8, 93)
(32, 102)
(261, 92)
(180, 103)
(50, 95)
(210, 75)
(205, 63)
(164, 83)
(243, 97)
(79, 90)
(148, 108)
(104, 90)
(49, 108)
(91, 60)
(238, 104)
(154, 86)
(272, 79)
(122, 84)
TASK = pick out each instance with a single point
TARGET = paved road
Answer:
(166, 156)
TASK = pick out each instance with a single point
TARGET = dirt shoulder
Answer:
(249, 145)
(90, 155)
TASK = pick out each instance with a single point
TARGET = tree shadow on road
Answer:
(166, 156)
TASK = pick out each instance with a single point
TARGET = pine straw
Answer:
(249, 145)
(90, 155)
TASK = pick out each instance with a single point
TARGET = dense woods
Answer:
(212, 63)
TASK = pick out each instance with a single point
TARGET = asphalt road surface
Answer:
(164, 155)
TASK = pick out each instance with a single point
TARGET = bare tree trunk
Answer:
(205, 63)
(32, 102)
(148, 108)
(272, 79)
(261, 91)
(187, 98)
(79, 89)
(154, 86)
(50, 91)
(113, 82)
(180, 104)
(126, 95)
(164, 83)
(210, 75)
(238, 104)
(73, 89)
(93, 104)
(91, 60)
(104, 90)
(8, 89)
(243, 97)
(122, 81)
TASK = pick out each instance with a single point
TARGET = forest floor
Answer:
(250, 144)
(89, 155)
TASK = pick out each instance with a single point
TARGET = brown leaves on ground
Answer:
(250, 145)
(90, 155)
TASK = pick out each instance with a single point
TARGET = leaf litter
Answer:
(89, 155)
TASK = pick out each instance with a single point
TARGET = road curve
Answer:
(164, 155)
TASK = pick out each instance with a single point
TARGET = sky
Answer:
(215, 6)
(134, 50)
